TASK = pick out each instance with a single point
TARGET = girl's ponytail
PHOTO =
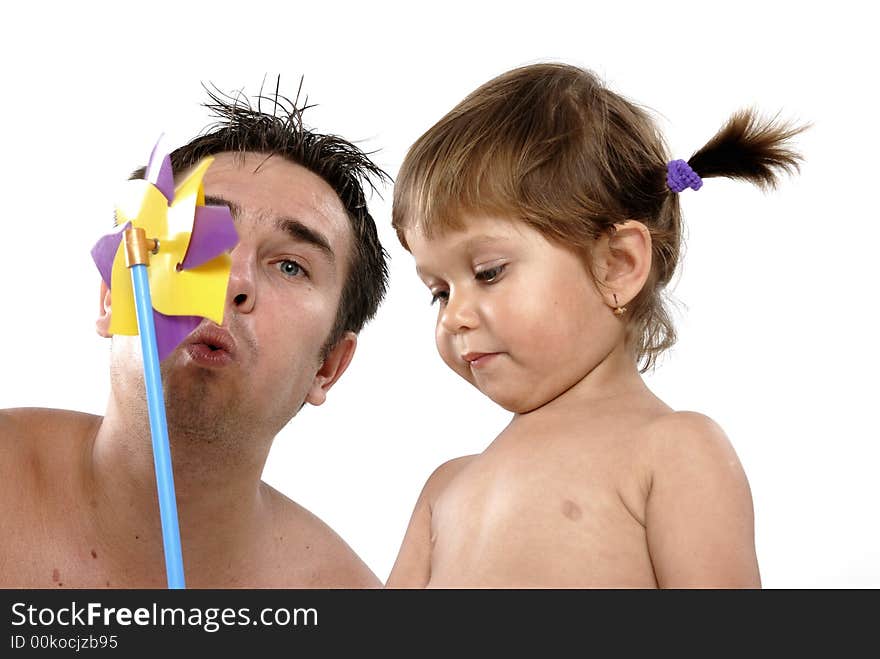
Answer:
(749, 148)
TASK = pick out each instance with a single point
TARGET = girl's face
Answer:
(518, 317)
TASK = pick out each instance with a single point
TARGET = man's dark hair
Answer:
(241, 127)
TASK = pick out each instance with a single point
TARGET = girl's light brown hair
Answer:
(549, 145)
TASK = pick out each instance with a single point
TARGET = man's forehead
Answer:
(270, 178)
(260, 187)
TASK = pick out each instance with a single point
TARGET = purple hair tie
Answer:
(680, 176)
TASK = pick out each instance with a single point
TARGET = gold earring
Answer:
(618, 310)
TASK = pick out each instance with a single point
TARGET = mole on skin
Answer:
(571, 510)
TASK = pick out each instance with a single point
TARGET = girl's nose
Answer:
(459, 313)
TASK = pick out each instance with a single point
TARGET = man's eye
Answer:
(491, 274)
(440, 296)
(290, 268)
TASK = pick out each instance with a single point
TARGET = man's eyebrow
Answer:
(302, 233)
(234, 208)
(291, 226)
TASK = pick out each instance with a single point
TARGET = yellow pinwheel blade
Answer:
(187, 196)
(197, 292)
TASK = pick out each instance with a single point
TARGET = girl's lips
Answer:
(204, 355)
(480, 359)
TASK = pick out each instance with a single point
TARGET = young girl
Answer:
(543, 215)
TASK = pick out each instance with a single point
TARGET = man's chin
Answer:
(197, 403)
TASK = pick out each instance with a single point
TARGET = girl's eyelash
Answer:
(487, 276)
(490, 274)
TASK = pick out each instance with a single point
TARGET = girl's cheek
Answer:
(447, 354)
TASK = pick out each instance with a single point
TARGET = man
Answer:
(78, 492)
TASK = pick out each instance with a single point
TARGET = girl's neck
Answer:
(614, 378)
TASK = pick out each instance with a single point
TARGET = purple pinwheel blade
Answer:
(105, 250)
(171, 330)
(159, 172)
(213, 233)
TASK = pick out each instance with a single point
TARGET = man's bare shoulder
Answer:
(43, 424)
(29, 436)
(318, 557)
(39, 453)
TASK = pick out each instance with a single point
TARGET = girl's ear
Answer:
(623, 262)
(102, 325)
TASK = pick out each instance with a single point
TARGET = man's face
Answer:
(254, 372)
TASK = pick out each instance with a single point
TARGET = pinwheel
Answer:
(186, 281)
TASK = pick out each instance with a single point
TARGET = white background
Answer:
(778, 301)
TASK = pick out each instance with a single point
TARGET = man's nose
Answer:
(241, 294)
(459, 313)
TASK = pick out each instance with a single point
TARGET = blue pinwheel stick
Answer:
(137, 250)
